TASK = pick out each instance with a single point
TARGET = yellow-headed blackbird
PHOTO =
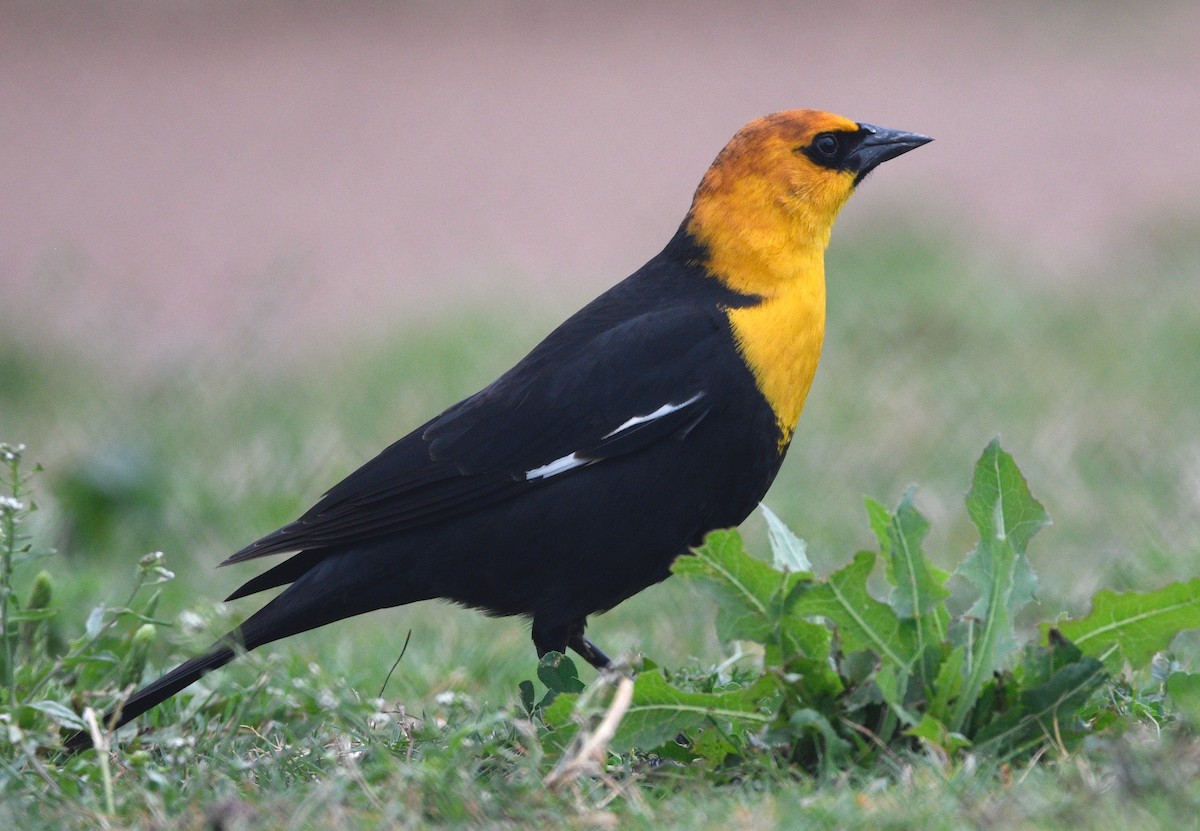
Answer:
(658, 412)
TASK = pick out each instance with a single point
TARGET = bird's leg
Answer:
(586, 649)
(559, 638)
(549, 640)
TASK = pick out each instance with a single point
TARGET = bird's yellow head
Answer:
(762, 217)
(765, 209)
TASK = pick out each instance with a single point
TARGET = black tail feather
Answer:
(313, 600)
(322, 593)
(177, 679)
(289, 571)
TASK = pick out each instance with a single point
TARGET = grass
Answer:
(1091, 380)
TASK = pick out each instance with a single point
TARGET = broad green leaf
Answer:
(918, 585)
(558, 712)
(1007, 516)
(803, 637)
(804, 648)
(558, 715)
(1000, 504)
(528, 702)
(836, 749)
(918, 588)
(990, 568)
(789, 551)
(934, 732)
(61, 714)
(1049, 711)
(880, 519)
(559, 674)
(862, 621)
(673, 751)
(948, 684)
(561, 678)
(751, 596)
(712, 746)
(1184, 689)
(892, 682)
(1137, 623)
(1040, 662)
(660, 711)
(754, 602)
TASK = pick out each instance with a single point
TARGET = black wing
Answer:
(572, 402)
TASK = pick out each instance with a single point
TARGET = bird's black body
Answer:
(449, 511)
(658, 412)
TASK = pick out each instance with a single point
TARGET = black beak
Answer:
(879, 144)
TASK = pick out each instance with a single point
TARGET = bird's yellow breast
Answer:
(780, 339)
(778, 257)
(763, 215)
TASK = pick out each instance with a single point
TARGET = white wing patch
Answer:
(569, 462)
(572, 460)
(665, 409)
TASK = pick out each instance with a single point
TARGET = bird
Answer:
(658, 412)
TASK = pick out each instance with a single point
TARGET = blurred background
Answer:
(244, 246)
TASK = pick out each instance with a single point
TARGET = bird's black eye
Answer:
(831, 149)
(826, 145)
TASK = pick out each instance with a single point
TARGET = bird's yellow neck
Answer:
(776, 252)
(780, 340)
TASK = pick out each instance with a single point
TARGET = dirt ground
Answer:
(176, 176)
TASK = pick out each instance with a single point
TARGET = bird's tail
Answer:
(153, 694)
(305, 605)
